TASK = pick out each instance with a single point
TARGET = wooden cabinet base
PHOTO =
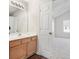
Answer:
(22, 48)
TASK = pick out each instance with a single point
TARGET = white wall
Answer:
(33, 15)
(59, 32)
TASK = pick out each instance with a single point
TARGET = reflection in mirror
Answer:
(18, 17)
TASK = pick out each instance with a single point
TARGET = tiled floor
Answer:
(35, 56)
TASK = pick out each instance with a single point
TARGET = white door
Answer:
(45, 32)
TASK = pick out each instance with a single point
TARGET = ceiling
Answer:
(60, 7)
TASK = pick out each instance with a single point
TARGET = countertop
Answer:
(15, 36)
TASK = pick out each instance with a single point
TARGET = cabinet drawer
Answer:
(25, 40)
(15, 43)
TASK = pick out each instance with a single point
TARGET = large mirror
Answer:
(18, 16)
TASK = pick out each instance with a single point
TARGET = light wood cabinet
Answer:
(32, 46)
(22, 48)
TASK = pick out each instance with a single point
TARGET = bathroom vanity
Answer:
(22, 46)
(22, 42)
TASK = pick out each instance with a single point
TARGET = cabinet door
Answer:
(23, 51)
(32, 46)
(14, 51)
(18, 52)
